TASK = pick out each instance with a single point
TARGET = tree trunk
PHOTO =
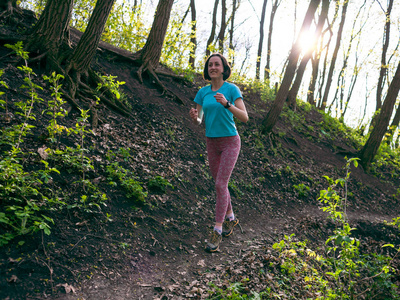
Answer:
(334, 56)
(235, 6)
(341, 82)
(394, 125)
(8, 6)
(193, 38)
(149, 55)
(273, 115)
(213, 26)
(314, 75)
(51, 32)
(302, 67)
(151, 52)
(267, 70)
(383, 69)
(87, 45)
(368, 152)
(261, 40)
(321, 83)
(221, 35)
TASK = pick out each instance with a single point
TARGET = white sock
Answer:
(230, 217)
(218, 229)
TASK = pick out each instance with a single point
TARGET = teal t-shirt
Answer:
(219, 120)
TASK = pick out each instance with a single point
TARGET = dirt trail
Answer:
(183, 273)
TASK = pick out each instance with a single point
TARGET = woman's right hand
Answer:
(194, 114)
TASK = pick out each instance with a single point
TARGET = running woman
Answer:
(219, 102)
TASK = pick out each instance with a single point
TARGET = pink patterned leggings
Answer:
(222, 156)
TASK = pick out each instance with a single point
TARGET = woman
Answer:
(220, 102)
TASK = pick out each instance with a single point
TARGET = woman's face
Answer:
(215, 67)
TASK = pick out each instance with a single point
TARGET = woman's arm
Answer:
(239, 110)
(196, 114)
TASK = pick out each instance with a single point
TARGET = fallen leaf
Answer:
(12, 279)
(68, 288)
(42, 152)
(201, 263)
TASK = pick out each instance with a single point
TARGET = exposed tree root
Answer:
(135, 59)
(158, 82)
(70, 99)
(8, 9)
(175, 76)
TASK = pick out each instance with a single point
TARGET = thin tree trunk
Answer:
(273, 115)
(261, 40)
(235, 6)
(267, 70)
(368, 152)
(334, 56)
(151, 52)
(323, 73)
(322, 78)
(149, 56)
(221, 35)
(361, 126)
(302, 67)
(193, 38)
(315, 69)
(8, 6)
(395, 124)
(383, 69)
(213, 26)
(87, 45)
(341, 81)
(313, 80)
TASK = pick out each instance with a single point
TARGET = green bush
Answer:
(159, 184)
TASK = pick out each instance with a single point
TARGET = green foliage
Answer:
(395, 222)
(301, 189)
(177, 45)
(127, 181)
(333, 128)
(126, 27)
(293, 117)
(337, 271)
(25, 107)
(91, 200)
(335, 197)
(108, 83)
(27, 192)
(233, 186)
(253, 85)
(34, 5)
(387, 158)
(81, 14)
(55, 109)
(235, 291)
(22, 198)
(159, 184)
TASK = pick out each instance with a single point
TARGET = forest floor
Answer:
(156, 251)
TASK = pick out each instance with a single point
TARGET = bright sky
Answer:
(247, 35)
(368, 53)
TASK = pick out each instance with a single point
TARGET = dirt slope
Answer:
(157, 250)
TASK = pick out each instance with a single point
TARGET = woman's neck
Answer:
(216, 84)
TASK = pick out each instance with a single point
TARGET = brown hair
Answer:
(227, 68)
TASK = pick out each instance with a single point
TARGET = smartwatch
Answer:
(228, 104)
